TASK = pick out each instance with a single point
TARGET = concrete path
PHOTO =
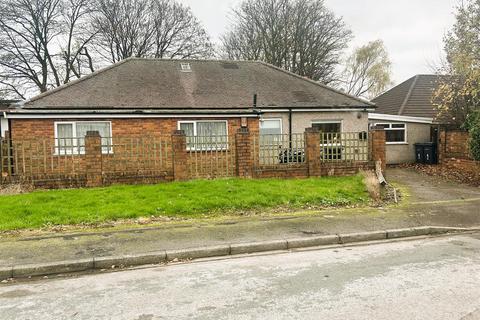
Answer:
(433, 202)
(435, 278)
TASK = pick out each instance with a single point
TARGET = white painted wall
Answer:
(352, 121)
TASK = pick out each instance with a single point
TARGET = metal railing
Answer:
(211, 156)
(344, 146)
(279, 149)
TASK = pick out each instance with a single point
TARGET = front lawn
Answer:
(178, 199)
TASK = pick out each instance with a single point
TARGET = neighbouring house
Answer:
(141, 96)
(4, 107)
(407, 113)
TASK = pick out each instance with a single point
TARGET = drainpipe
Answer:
(290, 127)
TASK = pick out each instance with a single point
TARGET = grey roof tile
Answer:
(412, 97)
(212, 84)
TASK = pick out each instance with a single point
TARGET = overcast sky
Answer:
(411, 29)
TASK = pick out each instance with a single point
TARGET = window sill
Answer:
(398, 143)
(70, 154)
(207, 150)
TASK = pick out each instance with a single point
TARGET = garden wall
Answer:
(454, 152)
(98, 161)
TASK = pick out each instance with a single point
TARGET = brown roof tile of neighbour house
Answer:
(5, 104)
(410, 98)
(210, 84)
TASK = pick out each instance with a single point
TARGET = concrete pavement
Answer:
(431, 202)
(435, 278)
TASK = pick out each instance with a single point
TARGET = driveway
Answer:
(424, 188)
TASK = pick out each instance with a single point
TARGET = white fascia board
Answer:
(392, 117)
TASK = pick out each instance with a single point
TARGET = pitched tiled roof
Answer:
(211, 84)
(5, 104)
(411, 98)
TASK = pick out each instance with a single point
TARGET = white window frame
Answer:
(74, 149)
(185, 67)
(194, 122)
(274, 119)
(327, 122)
(389, 124)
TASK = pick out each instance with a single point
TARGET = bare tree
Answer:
(31, 34)
(367, 71)
(302, 36)
(79, 33)
(149, 28)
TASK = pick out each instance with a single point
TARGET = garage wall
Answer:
(405, 153)
(302, 120)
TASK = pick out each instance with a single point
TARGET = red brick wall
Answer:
(454, 144)
(300, 171)
(45, 168)
(454, 152)
(180, 164)
(471, 167)
(44, 128)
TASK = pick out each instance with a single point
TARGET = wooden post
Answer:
(378, 152)
(9, 157)
(180, 156)
(93, 159)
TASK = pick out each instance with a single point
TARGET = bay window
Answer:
(205, 135)
(70, 136)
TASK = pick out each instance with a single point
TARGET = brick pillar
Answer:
(179, 146)
(442, 144)
(312, 152)
(378, 151)
(93, 159)
(243, 140)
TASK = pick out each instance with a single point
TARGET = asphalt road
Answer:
(436, 278)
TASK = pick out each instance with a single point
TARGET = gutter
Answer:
(128, 113)
(290, 134)
(265, 110)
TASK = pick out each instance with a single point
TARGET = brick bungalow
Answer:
(5, 105)
(149, 96)
(163, 120)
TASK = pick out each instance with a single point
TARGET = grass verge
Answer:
(193, 199)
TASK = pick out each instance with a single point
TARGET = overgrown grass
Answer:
(179, 199)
